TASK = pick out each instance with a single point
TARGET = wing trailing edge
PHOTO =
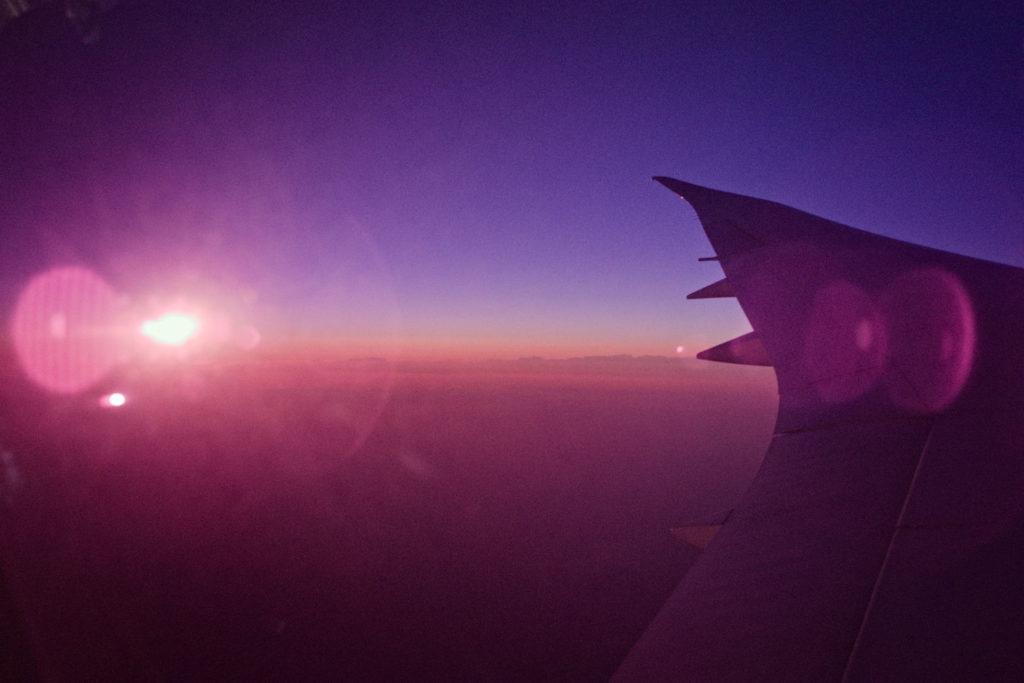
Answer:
(716, 290)
(882, 537)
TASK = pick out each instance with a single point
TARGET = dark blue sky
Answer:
(475, 180)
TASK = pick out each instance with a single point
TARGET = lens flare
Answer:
(64, 329)
(931, 321)
(171, 329)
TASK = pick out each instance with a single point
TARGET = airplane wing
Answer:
(882, 538)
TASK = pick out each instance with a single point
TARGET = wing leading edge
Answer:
(882, 537)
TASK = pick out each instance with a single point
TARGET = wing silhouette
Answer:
(882, 537)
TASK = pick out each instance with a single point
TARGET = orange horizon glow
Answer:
(462, 348)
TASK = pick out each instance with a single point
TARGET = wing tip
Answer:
(683, 189)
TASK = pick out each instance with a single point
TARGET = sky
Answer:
(469, 180)
(451, 180)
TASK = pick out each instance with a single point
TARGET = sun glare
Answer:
(171, 329)
(114, 400)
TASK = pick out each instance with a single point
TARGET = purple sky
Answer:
(471, 181)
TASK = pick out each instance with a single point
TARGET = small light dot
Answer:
(680, 349)
(115, 400)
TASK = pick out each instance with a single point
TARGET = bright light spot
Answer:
(171, 329)
(114, 400)
(680, 349)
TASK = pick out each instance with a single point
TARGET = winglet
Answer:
(696, 195)
(727, 237)
(687, 191)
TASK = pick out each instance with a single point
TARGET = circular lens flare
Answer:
(64, 329)
(171, 329)
(931, 318)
